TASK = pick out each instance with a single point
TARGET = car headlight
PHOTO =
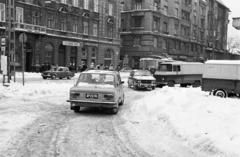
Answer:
(138, 81)
(108, 96)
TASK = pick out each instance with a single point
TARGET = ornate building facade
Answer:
(66, 32)
(189, 30)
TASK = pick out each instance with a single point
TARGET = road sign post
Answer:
(23, 40)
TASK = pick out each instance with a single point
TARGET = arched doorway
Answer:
(62, 55)
(108, 57)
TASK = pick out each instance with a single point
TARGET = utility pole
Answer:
(10, 37)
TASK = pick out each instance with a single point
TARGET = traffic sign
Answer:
(23, 37)
(3, 41)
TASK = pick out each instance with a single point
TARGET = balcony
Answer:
(30, 28)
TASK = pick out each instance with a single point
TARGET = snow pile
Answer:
(21, 105)
(34, 90)
(205, 123)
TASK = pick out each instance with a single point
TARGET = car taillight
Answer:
(108, 96)
(74, 95)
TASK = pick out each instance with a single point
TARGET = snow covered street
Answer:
(35, 120)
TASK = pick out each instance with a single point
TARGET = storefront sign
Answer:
(4, 64)
(70, 43)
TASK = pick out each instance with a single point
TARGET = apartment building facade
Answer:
(177, 28)
(65, 32)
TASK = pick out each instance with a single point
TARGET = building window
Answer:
(95, 29)
(176, 12)
(86, 4)
(138, 21)
(50, 22)
(64, 1)
(36, 18)
(63, 25)
(138, 4)
(75, 3)
(110, 9)
(108, 55)
(156, 24)
(155, 42)
(2, 12)
(165, 27)
(164, 44)
(85, 27)
(110, 30)
(137, 41)
(19, 15)
(95, 9)
(75, 27)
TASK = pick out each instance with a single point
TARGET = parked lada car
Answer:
(97, 88)
(141, 79)
(58, 72)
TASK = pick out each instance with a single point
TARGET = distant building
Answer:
(66, 32)
(189, 30)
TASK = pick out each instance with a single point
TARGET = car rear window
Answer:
(93, 78)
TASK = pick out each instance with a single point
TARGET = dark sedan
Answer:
(58, 72)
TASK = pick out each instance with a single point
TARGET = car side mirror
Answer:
(122, 82)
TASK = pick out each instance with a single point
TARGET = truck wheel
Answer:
(220, 93)
(196, 83)
(171, 83)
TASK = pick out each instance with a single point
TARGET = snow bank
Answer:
(21, 105)
(205, 123)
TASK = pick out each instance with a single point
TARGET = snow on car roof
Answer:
(231, 62)
(101, 72)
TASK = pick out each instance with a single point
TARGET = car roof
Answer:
(101, 72)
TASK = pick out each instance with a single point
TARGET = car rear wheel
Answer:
(76, 109)
(54, 77)
(122, 101)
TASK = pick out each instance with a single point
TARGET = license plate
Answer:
(92, 96)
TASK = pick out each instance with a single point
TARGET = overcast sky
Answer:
(234, 6)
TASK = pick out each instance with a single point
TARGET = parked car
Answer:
(141, 79)
(58, 72)
(97, 88)
(221, 77)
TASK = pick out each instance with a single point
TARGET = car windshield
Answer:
(93, 78)
(143, 73)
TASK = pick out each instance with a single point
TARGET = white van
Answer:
(221, 77)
